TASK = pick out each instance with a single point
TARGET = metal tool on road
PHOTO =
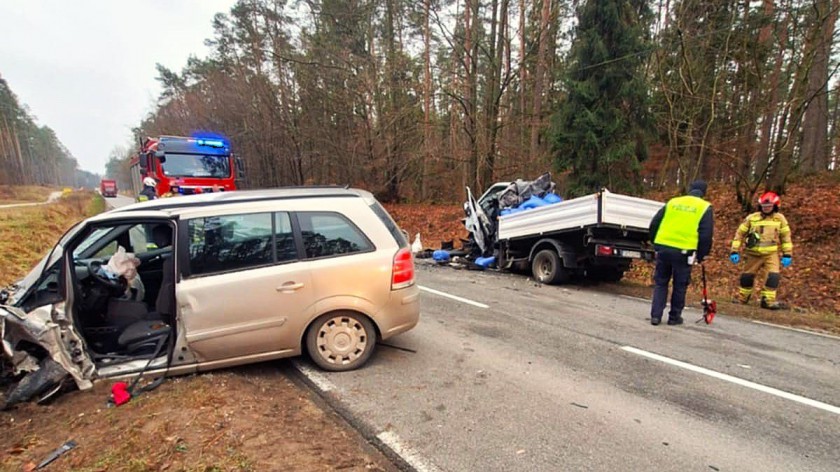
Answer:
(709, 306)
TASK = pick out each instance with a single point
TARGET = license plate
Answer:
(633, 254)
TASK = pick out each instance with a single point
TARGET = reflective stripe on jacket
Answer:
(679, 227)
(771, 229)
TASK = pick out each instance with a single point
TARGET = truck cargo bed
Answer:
(598, 209)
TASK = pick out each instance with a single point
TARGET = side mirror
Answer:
(144, 163)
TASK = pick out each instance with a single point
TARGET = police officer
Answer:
(761, 232)
(681, 232)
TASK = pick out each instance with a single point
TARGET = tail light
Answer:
(403, 269)
(601, 250)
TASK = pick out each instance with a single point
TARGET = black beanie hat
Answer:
(698, 186)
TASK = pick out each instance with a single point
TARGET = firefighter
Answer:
(762, 233)
(148, 192)
(174, 190)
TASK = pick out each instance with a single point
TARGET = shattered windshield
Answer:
(193, 165)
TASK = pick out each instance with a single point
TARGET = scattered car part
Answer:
(56, 454)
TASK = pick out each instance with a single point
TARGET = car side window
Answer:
(231, 242)
(284, 238)
(328, 234)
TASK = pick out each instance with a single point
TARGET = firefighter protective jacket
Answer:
(761, 234)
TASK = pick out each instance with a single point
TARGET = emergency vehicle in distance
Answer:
(108, 187)
(193, 165)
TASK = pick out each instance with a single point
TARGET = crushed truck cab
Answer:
(595, 236)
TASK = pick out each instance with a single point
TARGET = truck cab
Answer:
(108, 188)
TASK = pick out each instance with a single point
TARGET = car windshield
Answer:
(195, 165)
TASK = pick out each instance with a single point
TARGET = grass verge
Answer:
(26, 233)
(10, 194)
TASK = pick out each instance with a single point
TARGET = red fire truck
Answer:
(108, 187)
(186, 165)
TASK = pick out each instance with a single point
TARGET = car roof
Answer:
(174, 204)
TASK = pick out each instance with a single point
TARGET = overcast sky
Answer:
(86, 68)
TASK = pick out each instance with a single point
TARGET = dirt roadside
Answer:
(257, 417)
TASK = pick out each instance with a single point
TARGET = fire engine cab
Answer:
(186, 165)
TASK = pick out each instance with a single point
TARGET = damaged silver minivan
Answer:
(219, 280)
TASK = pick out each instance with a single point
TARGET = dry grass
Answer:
(26, 233)
(24, 193)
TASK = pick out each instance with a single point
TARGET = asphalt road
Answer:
(565, 378)
(516, 376)
(118, 201)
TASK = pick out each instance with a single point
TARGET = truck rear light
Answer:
(601, 250)
(403, 269)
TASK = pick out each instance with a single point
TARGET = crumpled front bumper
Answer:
(37, 329)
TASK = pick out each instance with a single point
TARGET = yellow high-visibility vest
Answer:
(678, 228)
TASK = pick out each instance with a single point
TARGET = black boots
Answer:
(774, 305)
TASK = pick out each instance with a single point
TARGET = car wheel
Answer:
(341, 341)
(547, 269)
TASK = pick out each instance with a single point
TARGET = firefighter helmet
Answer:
(770, 197)
(149, 181)
(767, 199)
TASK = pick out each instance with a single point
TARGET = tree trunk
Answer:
(427, 103)
(814, 149)
(539, 79)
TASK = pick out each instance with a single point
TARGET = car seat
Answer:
(147, 334)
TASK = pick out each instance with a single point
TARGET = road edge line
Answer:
(798, 330)
(402, 456)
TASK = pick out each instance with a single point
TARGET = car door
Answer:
(244, 282)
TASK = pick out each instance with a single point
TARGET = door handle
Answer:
(289, 287)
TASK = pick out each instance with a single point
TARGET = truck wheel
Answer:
(547, 269)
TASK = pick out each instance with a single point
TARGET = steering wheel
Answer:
(95, 270)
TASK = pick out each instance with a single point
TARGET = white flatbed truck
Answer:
(595, 236)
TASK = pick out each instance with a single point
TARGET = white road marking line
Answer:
(410, 456)
(815, 333)
(314, 376)
(736, 380)
(454, 297)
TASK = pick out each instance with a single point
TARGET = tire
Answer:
(547, 268)
(48, 377)
(341, 341)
